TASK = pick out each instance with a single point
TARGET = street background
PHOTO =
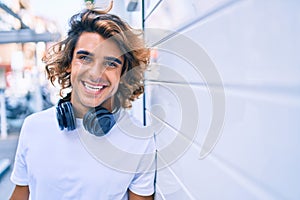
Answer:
(7, 151)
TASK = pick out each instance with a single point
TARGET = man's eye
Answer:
(110, 64)
(86, 59)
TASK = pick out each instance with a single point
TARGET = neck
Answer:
(108, 104)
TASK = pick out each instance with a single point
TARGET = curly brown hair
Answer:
(130, 41)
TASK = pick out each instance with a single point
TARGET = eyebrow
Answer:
(113, 59)
(110, 58)
(85, 53)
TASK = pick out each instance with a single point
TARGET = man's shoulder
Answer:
(41, 116)
(130, 134)
(38, 124)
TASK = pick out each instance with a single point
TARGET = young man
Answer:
(102, 61)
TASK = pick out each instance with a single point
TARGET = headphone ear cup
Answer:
(98, 121)
(60, 116)
(70, 117)
(65, 115)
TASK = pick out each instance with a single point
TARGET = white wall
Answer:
(253, 47)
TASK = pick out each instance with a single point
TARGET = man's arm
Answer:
(133, 196)
(20, 193)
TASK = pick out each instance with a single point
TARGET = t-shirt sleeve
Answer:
(143, 182)
(19, 174)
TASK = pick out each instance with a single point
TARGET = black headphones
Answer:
(98, 121)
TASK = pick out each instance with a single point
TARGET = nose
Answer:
(97, 70)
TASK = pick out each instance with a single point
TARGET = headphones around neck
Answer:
(98, 121)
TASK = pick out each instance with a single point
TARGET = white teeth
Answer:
(92, 87)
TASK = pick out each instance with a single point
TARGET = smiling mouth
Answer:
(93, 88)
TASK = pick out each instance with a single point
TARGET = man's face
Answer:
(95, 72)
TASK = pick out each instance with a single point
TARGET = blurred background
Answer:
(252, 45)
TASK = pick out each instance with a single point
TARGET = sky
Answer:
(58, 10)
(62, 10)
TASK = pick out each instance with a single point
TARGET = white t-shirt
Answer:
(65, 165)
